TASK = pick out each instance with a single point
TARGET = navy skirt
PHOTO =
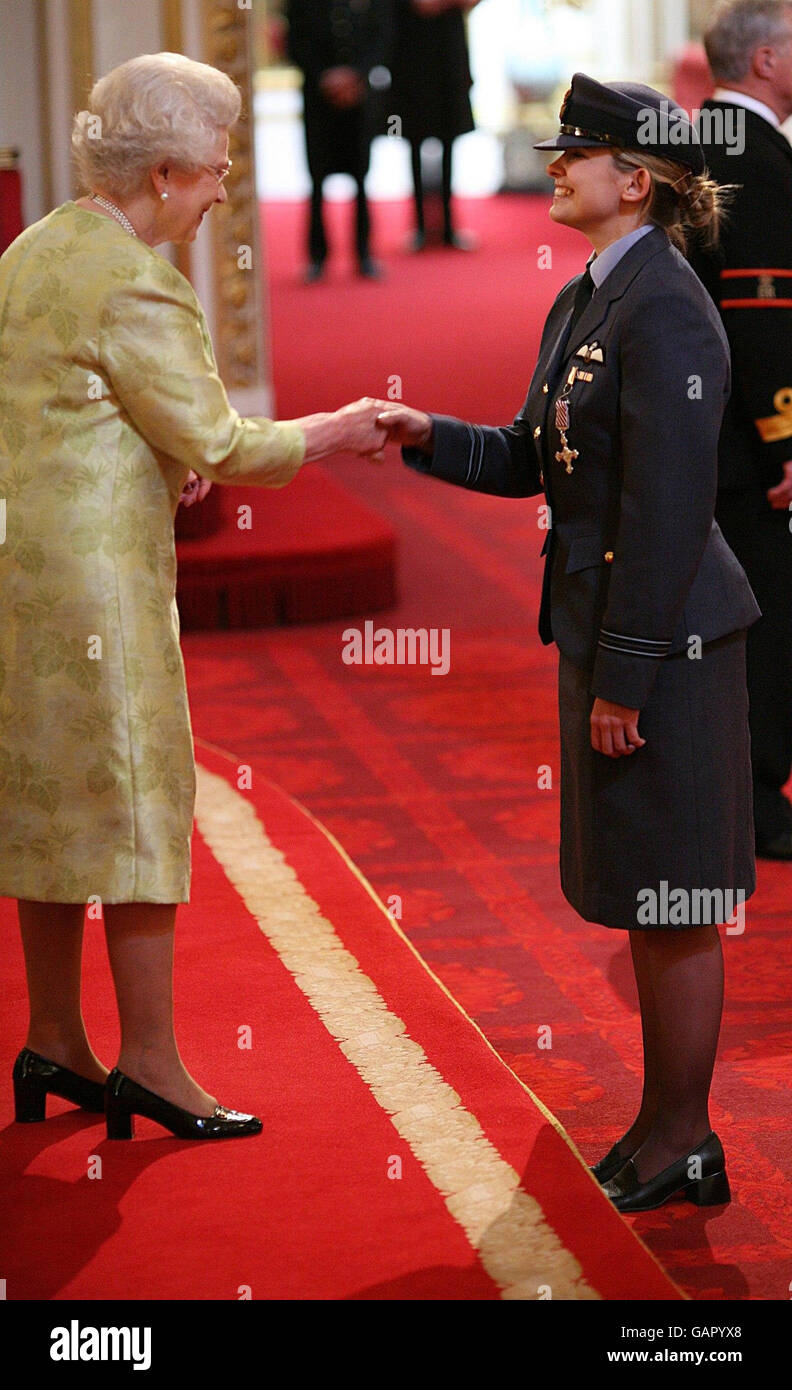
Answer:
(662, 839)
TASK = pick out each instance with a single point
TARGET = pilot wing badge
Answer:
(591, 352)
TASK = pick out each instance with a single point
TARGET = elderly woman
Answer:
(110, 398)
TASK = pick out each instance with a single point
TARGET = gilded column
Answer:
(238, 267)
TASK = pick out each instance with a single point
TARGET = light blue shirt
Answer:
(602, 265)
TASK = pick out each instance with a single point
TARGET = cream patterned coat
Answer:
(109, 394)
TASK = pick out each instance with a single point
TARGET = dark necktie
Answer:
(582, 298)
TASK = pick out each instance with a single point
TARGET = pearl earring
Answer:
(163, 195)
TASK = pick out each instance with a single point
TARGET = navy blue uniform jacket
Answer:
(635, 563)
(749, 277)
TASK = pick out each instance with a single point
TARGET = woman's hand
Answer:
(351, 430)
(194, 490)
(614, 729)
(411, 428)
(360, 433)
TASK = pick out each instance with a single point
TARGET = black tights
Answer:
(680, 987)
(317, 237)
(417, 173)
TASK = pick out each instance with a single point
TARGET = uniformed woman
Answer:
(646, 602)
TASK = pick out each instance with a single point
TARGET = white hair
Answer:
(738, 29)
(160, 106)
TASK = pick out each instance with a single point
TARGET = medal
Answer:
(565, 455)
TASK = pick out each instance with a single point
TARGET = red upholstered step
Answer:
(304, 553)
(11, 222)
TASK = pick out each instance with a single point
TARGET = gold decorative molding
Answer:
(173, 42)
(80, 59)
(81, 51)
(238, 299)
(45, 115)
(171, 25)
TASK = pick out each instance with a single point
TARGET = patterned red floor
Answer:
(431, 783)
(399, 1159)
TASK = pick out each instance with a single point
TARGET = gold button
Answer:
(608, 557)
(537, 431)
(546, 388)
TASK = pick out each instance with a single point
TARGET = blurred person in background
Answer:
(337, 44)
(431, 95)
(749, 46)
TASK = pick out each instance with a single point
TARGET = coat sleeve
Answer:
(157, 357)
(675, 380)
(483, 458)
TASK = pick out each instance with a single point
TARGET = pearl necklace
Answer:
(114, 212)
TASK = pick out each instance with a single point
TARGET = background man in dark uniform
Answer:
(431, 94)
(749, 45)
(336, 44)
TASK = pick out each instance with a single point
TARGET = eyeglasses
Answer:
(220, 171)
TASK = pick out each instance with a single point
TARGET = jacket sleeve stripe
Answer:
(625, 650)
(476, 455)
(756, 304)
(733, 274)
(652, 643)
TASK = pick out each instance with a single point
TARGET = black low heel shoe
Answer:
(35, 1078)
(711, 1189)
(610, 1165)
(124, 1099)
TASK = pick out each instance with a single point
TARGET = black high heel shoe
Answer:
(628, 1193)
(124, 1099)
(35, 1078)
(610, 1165)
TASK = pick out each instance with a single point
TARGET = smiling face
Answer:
(192, 193)
(595, 197)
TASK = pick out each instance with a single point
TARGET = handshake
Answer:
(366, 426)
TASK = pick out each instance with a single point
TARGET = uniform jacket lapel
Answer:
(562, 345)
(616, 284)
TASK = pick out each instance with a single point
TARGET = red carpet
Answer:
(400, 1159)
(431, 783)
(307, 552)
